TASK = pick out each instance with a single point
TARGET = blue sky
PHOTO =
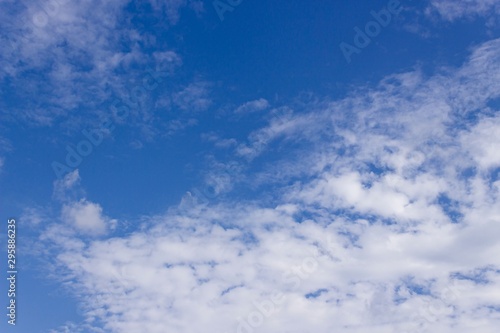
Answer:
(228, 162)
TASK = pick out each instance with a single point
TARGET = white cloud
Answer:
(253, 106)
(284, 125)
(77, 213)
(483, 142)
(188, 266)
(86, 217)
(65, 187)
(33, 216)
(195, 97)
(74, 54)
(385, 219)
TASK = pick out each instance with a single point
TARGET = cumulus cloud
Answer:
(386, 219)
(77, 212)
(86, 217)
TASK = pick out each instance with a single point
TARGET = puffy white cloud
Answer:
(86, 217)
(265, 270)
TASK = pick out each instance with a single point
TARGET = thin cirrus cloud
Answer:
(80, 56)
(195, 97)
(387, 220)
(452, 10)
(253, 106)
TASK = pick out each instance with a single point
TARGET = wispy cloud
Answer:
(451, 10)
(78, 55)
(194, 97)
(253, 106)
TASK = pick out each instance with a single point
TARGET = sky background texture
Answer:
(246, 166)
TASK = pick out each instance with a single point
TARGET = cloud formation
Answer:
(79, 57)
(384, 218)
